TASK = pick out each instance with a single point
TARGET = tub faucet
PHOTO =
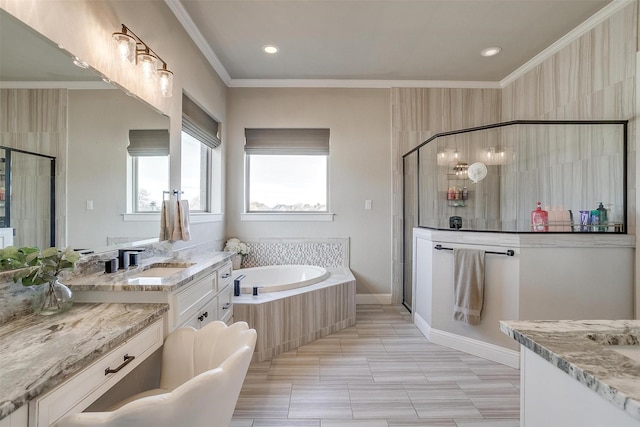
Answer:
(236, 285)
(123, 257)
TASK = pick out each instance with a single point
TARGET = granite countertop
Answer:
(40, 352)
(196, 266)
(583, 350)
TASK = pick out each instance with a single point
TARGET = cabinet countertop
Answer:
(40, 352)
(584, 351)
(196, 267)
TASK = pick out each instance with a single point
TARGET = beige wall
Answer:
(84, 27)
(359, 169)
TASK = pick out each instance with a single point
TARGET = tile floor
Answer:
(380, 373)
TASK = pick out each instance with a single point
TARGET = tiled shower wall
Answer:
(35, 120)
(327, 253)
(592, 78)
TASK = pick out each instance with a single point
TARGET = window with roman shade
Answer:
(287, 170)
(149, 151)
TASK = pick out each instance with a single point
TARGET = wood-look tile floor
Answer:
(380, 373)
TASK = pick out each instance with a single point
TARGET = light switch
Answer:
(89, 205)
(367, 204)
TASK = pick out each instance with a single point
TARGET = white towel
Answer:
(166, 222)
(181, 221)
(468, 282)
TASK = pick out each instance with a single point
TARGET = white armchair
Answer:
(202, 374)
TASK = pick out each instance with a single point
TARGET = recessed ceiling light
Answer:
(271, 49)
(491, 51)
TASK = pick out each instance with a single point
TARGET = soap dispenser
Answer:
(539, 219)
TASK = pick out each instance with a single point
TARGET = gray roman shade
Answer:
(287, 141)
(148, 142)
(200, 125)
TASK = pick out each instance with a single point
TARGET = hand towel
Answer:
(166, 222)
(468, 282)
(181, 221)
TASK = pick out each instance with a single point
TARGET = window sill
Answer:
(287, 216)
(194, 218)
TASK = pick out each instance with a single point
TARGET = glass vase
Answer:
(236, 261)
(52, 298)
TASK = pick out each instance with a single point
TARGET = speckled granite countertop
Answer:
(196, 266)
(582, 349)
(40, 352)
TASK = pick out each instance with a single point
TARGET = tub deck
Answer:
(288, 319)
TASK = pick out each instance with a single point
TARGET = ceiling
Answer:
(376, 40)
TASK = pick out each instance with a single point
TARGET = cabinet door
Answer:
(225, 304)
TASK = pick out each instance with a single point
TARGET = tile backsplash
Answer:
(327, 253)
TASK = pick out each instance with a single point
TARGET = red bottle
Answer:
(539, 219)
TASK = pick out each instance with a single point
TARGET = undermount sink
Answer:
(626, 343)
(163, 269)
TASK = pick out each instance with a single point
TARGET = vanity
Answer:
(61, 364)
(578, 373)
(197, 287)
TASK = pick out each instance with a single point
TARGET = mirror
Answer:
(92, 196)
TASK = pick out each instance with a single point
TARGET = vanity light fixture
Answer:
(132, 49)
(491, 51)
(270, 49)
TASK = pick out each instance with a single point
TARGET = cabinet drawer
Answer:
(189, 300)
(224, 275)
(225, 304)
(84, 388)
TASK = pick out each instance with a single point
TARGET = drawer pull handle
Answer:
(203, 315)
(227, 306)
(225, 275)
(127, 360)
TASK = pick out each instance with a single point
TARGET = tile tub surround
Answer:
(38, 352)
(566, 345)
(327, 253)
(288, 319)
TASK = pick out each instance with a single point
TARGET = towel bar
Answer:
(509, 252)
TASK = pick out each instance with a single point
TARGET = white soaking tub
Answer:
(276, 278)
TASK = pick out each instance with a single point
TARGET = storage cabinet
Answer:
(84, 388)
(194, 304)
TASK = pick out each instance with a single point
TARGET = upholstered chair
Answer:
(201, 377)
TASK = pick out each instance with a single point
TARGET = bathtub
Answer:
(276, 278)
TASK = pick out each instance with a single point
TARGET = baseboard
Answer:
(373, 299)
(478, 348)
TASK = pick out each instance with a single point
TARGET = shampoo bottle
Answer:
(603, 217)
(539, 219)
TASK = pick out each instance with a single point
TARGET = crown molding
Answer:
(361, 84)
(597, 18)
(190, 27)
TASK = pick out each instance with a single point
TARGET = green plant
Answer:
(37, 267)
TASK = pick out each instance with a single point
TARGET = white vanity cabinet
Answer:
(195, 302)
(84, 388)
(206, 300)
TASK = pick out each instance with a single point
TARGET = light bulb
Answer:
(149, 64)
(165, 78)
(125, 47)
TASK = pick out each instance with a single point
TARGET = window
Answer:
(151, 178)
(149, 151)
(287, 170)
(200, 136)
(196, 158)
